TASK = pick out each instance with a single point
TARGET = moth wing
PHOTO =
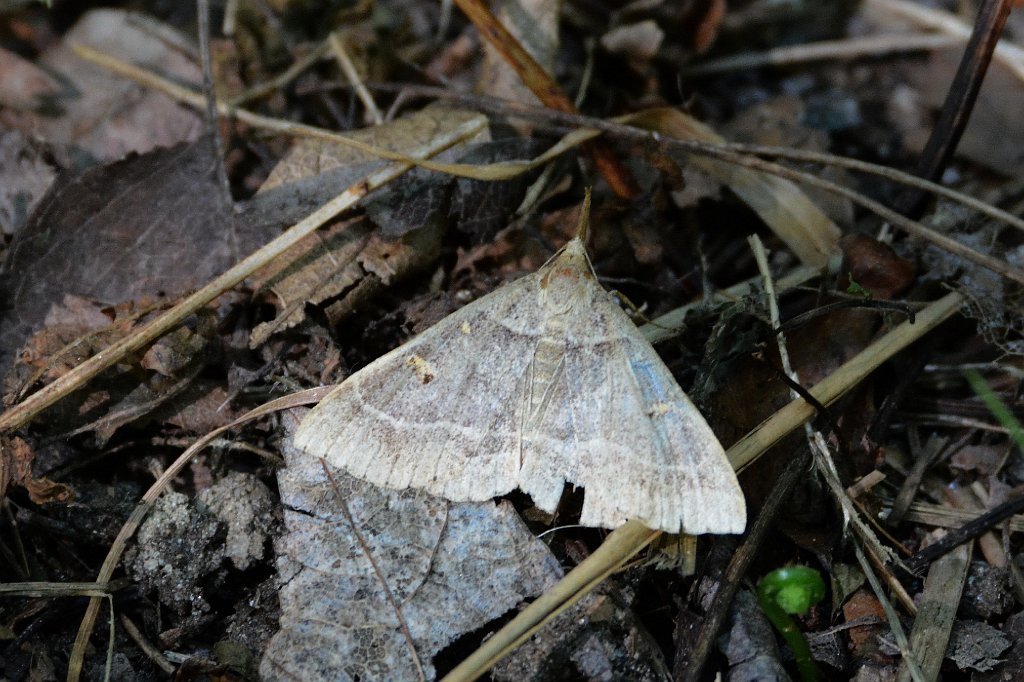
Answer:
(443, 412)
(619, 425)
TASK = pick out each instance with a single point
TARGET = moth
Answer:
(541, 382)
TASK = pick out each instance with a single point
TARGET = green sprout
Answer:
(856, 289)
(792, 590)
(1003, 414)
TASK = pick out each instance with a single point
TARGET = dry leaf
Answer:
(25, 86)
(781, 122)
(994, 136)
(534, 23)
(16, 459)
(205, 407)
(542, 382)
(310, 158)
(343, 261)
(976, 645)
(804, 228)
(449, 569)
(318, 268)
(104, 115)
(158, 224)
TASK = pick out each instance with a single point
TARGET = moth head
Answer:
(565, 277)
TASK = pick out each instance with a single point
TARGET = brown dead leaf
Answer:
(205, 408)
(320, 267)
(151, 225)
(176, 361)
(447, 568)
(175, 351)
(16, 459)
(106, 116)
(73, 330)
(864, 638)
(350, 262)
(875, 266)
(979, 459)
(395, 259)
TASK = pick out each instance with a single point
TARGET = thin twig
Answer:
(623, 130)
(849, 48)
(337, 44)
(147, 647)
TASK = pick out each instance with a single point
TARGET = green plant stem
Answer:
(793, 589)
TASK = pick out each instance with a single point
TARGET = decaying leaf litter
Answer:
(215, 571)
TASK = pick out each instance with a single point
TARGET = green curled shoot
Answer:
(792, 590)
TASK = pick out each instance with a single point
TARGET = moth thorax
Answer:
(547, 364)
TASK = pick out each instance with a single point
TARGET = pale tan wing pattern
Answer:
(443, 412)
(620, 426)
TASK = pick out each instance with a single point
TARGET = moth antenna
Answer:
(583, 227)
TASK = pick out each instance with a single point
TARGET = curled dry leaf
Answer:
(318, 268)
(360, 564)
(794, 218)
(16, 459)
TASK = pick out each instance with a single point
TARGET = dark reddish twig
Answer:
(546, 89)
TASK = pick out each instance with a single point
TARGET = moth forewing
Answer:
(543, 381)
